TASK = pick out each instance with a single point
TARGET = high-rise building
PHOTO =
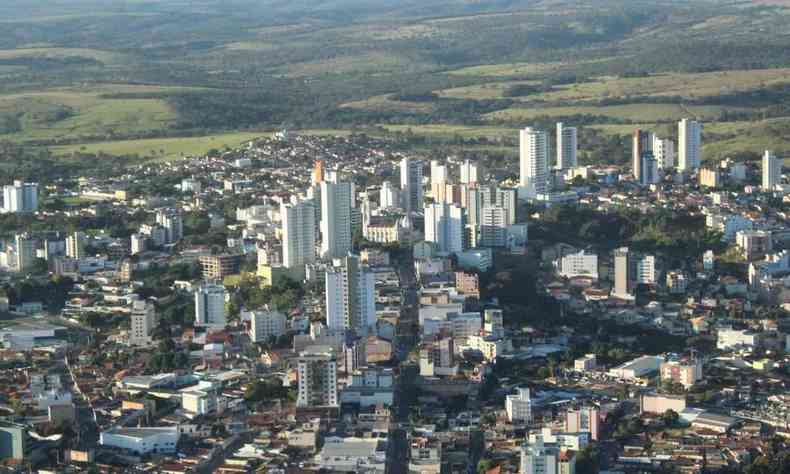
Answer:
(143, 321)
(210, 306)
(664, 152)
(567, 144)
(350, 296)
(493, 323)
(642, 141)
(583, 420)
(411, 184)
(15, 442)
(336, 203)
(317, 376)
(689, 144)
(508, 199)
(648, 170)
(519, 406)
(25, 252)
(534, 162)
(217, 267)
(318, 172)
(444, 226)
(438, 173)
(539, 457)
(298, 226)
(265, 325)
(621, 272)
(171, 222)
(709, 177)
(632, 269)
(389, 196)
(75, 245)
(138, 243)
(20, 197)
(494, 222)
(772, 171)
(470, 173)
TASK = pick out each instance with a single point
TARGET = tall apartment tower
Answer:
(318, 172)
(567, 145)
(534, 162)
(444, 226)
(20, 197)
(411, 184)
(583, 420)
(648, 169)
(25, 252)
(350, 296)
(336, 203)
(438, 173)
(772, 171)
(494, 222)
(664, 152)
(317, 375)
(621, 272)
(389, 196)
(143, 321)
(689, 144)
(75, 245)
(171, 221)
(642, 141)
(210, 306)
(298, 226)
(470, 173)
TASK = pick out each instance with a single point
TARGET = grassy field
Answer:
(383, 103)
(107, 57)
(490, 90)
(515, 69)
(448, 131)
(630, 112)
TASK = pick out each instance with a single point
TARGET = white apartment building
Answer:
(75, 245)
(772, 171)
(389, 196)
(210, 306)
(317, 375)
(689, 144)
(494, 222)
(534, 163)
(470, 173)
(266, 324)
(438, 173)
(172, 223)
(577, 264)
(199, 402)
(519, 406)
(20, 197)
(567, 144)
(142, 323)
(350, 296)
(444, 226)
(540, 457)
(664, 152)
(686, 373)
(337, 199)
(299, 239)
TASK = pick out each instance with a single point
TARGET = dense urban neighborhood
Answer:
(343, 303)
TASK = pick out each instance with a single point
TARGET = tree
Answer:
(588, 460)
(484, 465)
(670, 418)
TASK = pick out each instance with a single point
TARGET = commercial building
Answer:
(299, 234)
(534, 163)
(337, 199)
(266, 324)
(20, 197)
(143, 321)
(689, 144)
(577, 264)
(14, 441)
(437, 358)
(444, 226)
(567, 144)
(141, 441)
(772, 171)
(353, 455)
(519, 406)
(411, 184)
(729, 339)
(660, 404)
(317, 376)
(210, 306)
(350, 296)
(199, 402)
(217, 267)
(637, 368)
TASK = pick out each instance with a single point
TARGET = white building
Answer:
(567, 144)
(438, 173)
(493, 324)
(362, 455)
(772, 171)
(299, 239)
(138, 243)
(350, 296)
(470, 173)
(199, 402)
(266, 324)
(370, 387)
(519, 406)
(494, 222)
(689, 144)
(173, 225)
(143, 321)
(539, 457)
(210, 306)
(585, 364)
(728, 339)
(411, 184)
(191, 185)
(637, 368)
(534, 163)
(389, 196)
(337, 199)
(141, 440)
(317, 375)
(444, 226)
(25, 246)
(646, 272)
(75, 245)
(708, 259)
(20, 197)
(664, 152)
(577, 264)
